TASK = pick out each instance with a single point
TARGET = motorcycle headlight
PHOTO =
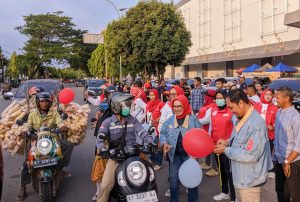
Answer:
(136, 173)
(152, 175)
(44, 146)
(121, 180)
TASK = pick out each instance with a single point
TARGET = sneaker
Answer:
(204, 166)
(212, 172)
(271, 175)
(157, 167)
(168, 193)
(221, 197)
(95, 197)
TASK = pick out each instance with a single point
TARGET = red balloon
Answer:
(198, 143)
(66, 96)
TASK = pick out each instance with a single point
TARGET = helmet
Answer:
(110, 89)
(43, 96)
(32, 91)
(119, 101)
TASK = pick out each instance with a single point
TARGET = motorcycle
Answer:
(134, 177)
(44, 160)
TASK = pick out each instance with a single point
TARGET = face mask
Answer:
(125, 111)
(220, 102)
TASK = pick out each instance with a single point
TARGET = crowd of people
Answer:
(255, 132)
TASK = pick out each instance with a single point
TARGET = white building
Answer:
(232, 34)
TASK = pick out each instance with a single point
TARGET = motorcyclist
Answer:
(103, 107)
(6, 87)
(121, 126)
(44, 116)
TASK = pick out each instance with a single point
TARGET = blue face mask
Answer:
(125, 111)
(220, 102)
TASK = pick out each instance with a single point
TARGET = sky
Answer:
(91, 15)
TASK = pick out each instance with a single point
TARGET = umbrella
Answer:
(264, 68)
(251, 68)
(280, 67)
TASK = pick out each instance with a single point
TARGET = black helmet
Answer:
(110, 89)
(43, 96)
(120, 100)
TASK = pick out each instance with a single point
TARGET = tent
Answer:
(251, 68)
(264, 68)
(280, 67)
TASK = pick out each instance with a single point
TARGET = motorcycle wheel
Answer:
(47, 193)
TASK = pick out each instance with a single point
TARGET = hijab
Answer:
(179, 91)
(185, 106)
(262, 97)
(152, 104)
(138, 93)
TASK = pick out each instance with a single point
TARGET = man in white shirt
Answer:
(251, 92)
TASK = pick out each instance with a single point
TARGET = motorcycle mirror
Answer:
(64, 116)
(93, 119)
(20, 122)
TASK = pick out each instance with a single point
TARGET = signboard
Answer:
(93, 38)
(271, 75)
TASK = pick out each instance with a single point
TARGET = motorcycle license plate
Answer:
(44, 163)
(149, 196)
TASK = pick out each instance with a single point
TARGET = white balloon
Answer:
(190, 173)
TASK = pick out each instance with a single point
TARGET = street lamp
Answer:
(118, 11)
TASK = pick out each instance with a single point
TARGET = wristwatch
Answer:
(286, 161)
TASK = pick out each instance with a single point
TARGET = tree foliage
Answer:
(12, 69)
(52, 38)
(151, 36)
(96, 63)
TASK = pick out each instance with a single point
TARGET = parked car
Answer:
(92, 87)
(293, 84)
(80, 83)
(50, 85)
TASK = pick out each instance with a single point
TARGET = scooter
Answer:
(134, 177)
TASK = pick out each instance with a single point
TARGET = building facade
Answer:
(231, 34)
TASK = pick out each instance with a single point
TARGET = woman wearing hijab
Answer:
(153, 112)
(167, 112)
(171, 137)
(138, 108)
(268, 111)
(221, 126)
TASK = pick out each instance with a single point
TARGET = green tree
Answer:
(52, 38)
(151, 36)
(12, 69)
(96, 64)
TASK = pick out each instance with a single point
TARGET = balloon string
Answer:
(220, 170)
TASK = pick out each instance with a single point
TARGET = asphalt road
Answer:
(79, 188)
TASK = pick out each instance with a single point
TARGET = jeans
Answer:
(174, 181)
(288, 188)
(157, 158)
(226, 176)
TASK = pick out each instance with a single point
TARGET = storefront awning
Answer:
(271, 50)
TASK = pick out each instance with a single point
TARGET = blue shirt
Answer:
(249, 151)
(287, 137)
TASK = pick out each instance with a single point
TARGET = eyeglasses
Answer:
(173, 94)
(177, 106)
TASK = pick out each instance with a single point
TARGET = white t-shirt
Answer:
(255, 98)
(264, 111)
(166, 113)
(138, 110)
